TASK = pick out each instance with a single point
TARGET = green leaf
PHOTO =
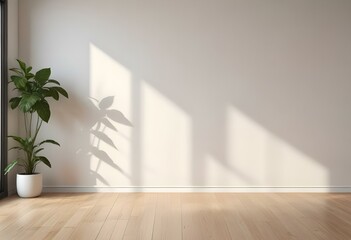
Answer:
(42, 76)
(49, 141)
(29, 69)
(29, 75)
(22, 65)
(44, 92)
(44, 160)
(61, 91)
(10, 166)
(40, 149)
(18, 148)
(28, 101)
(20, 82)
(53, 93)
(43, 110)
(53, 81)
(14, 102)
(18, 139)
(26, 144)
(16, 70)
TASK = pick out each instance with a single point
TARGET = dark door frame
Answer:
(3, 87)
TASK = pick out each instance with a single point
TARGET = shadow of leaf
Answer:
(106, 102)
(103, 156)
(92, 114)
(108, 124)
(100, 154)
(102, 136)
(99, 177)
(118, 117)
(94, 117)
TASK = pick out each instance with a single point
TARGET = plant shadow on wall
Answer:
(222, 86)
(101, 118)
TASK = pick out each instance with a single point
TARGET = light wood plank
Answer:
(201, 217)
(119, 230)
(141, 222)
(168, 217)
(175, 216)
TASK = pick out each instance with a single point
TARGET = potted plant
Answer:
(34, 91)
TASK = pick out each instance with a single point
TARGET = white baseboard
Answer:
(318, 189)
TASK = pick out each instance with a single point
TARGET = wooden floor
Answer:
(177, 216)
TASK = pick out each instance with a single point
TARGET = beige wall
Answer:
(12, 56)
(218, 93)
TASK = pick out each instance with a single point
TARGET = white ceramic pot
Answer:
(29, 185)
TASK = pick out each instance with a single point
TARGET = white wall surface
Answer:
(203, 93)
(13, 127)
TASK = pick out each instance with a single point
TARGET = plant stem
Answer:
(37, 128)
(30, 154)
(25, 123)
(30, 125)
(30, 168)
